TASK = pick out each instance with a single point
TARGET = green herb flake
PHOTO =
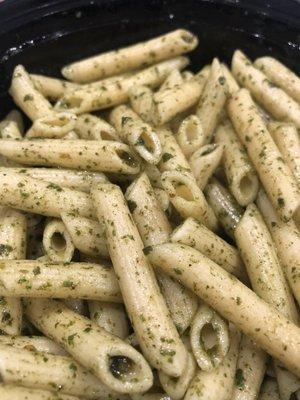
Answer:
(239, 379)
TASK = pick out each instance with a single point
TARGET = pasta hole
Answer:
(71, 102)
(127, 158)
(192, 131)
(105, 135)
(183, 191)
(209, 339)
(58, 242)
(146, 140)
(121, 367)
(246, 185)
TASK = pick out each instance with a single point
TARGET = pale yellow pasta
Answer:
(77, 180)
(280, 75)
(205, 161)
(12, 246)
(87, 235)
(52, 126)
(72, 135)
(137, 133)
(49, 372)
(274, 174)
(91, 127)
(240, 174)
(41, 197)
(16, 116)
(76, 305)
(110, 316)
(187, 75)
(35, 278)
(57, 241)
(150, 396)
(91, 155)
(9, 130)
(209, 338)
(144, 303)
(52, 88)
(286, 237)
(192, 233)
(162, 198)
(269, 390)
(234, 301)
(212, 100)
(217, 384)
(172, 80)
(188, 198)
(27, 97)
(139, 55)
(153, 174)
(176, 388)
(251, 367)
(190, 135)
(288, 383)
(141, 100)
(155, 228)
(169, 103)
(33, 343)
(113, 361)
(287, 140)
(232, 85)
(9, 392)
(279, 104)
(99, 96)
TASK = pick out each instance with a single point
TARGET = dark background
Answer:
(44, 35)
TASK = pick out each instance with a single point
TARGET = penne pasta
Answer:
(39, 344)
(141, 101)
(190, 135)
(114, 362)
(144, 303)
(287, 140)
(193, 233)
(280, 75)
(187, 75)
(52, 126)
(172, 80)
(87, 235)
(162, 198)
(77, 305)
(91, 155)
(232, 84)
(52, 88)
(72, 135)
(205, 161)
(57, 241)
(27, 97)
(91, 127)
(35, 278)
(113, 92)
(279, 104)
(240, 174)
(9, 130)
(269, 390)
(139, 55)
(274, 174)
(137, 133)
(9, 392)
(209, 338)
(16, 116)
(232, 300)
(12, 246)
(212, 100)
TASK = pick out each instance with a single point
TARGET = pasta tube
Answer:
(91, 155)
(193, 233)
(87, 235)
(173, 79)
(274, 174)
(9, 392)
(113, 92)
(52, 126)
(169, 103)
(72, 135)
(280, 105)
(90, 127)
(41, 197)
(16, 116)
(287, 140)
(49, 372)
(288, 383)
(76, 305)
(57, 241)
(137, 133)
(144, 303)
(240, 174)
(217, 384)
(114, 362)
(287, 240)
(280, 75)
(269, 390)
(190, 135)
(251, 367)
(212, 100)
(234, 301)
(139, 55)
(110, 316)
(205, 161)
(39, 344)
(52, 88)
(141, 100)
(162, 198)
(9, 130)
(232, 84)
(27, 97)
(12, 246)
(155, 228)
(35, 278)
(209, 338)
(77, 180)
(225, 207)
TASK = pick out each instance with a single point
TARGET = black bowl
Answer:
(44, 35)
